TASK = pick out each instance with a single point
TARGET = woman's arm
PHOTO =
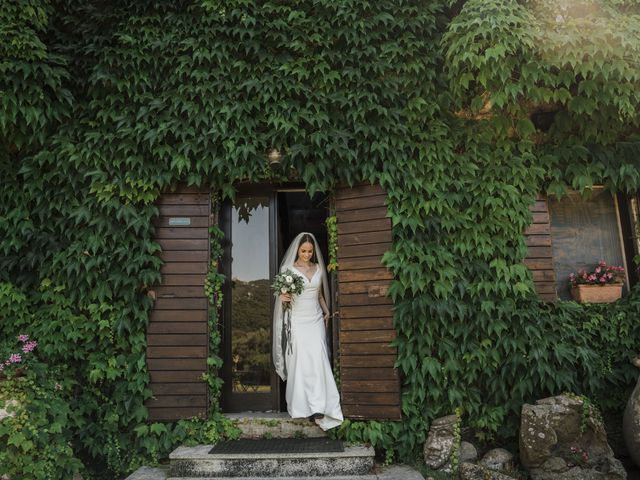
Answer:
(324, 307)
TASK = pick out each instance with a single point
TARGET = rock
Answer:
(556, 465)
(468, 453)
(631, 425)
(469, 471)
(439, 444)
(498, 459)
(557, 443)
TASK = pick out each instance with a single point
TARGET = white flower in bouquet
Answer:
(288, 282)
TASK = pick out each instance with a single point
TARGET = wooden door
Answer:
(370, 385)
(178, 334)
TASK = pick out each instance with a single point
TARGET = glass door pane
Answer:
(251, 295)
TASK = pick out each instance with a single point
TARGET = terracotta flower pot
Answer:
(607, 293)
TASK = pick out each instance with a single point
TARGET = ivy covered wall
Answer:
(462, 111)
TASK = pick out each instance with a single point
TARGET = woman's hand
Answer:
(327, 316)
(285, 297)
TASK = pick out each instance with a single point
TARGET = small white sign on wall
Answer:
(179, 221)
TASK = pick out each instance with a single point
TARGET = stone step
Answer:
(274, 425)
(394, 472)
(342, 477)
(197, 462)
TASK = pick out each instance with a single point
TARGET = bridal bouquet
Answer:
(292, 283)
(288, 282)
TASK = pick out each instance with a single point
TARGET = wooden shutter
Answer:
(539, 257)
(370, 385)
(177, 334)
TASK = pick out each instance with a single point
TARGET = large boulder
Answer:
(631, 422)
(440, 443)
(561, 438)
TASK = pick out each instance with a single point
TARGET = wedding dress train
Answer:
(310, 384)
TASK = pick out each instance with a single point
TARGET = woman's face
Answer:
(305, 251)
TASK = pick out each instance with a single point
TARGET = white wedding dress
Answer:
(310, 384)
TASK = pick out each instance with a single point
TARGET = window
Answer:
(585, 231)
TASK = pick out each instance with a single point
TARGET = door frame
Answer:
(231, 401)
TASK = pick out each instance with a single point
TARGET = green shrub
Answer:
(36, 441)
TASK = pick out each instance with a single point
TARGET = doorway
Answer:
(258, 227)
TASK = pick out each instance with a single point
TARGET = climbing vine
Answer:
(213, 289)
(457, 440)
(589, 410)
(463, 111)
(332, 234)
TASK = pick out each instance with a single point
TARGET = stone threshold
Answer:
(274, 425)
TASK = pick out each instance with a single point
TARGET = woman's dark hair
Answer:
(308, 238)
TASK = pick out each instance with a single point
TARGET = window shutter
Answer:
(177, 334)
(370, 385)
(539, 257)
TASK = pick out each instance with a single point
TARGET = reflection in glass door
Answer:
(250, 312)
(249, 381)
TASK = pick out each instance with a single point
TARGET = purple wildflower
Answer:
(15, 358)
(23, 338)
(29, 346)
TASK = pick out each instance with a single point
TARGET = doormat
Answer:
(279, 445)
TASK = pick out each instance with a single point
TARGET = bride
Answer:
(311, 389)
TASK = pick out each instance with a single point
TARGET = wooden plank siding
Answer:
(370, 385)
(178, 333)
(539, 257)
